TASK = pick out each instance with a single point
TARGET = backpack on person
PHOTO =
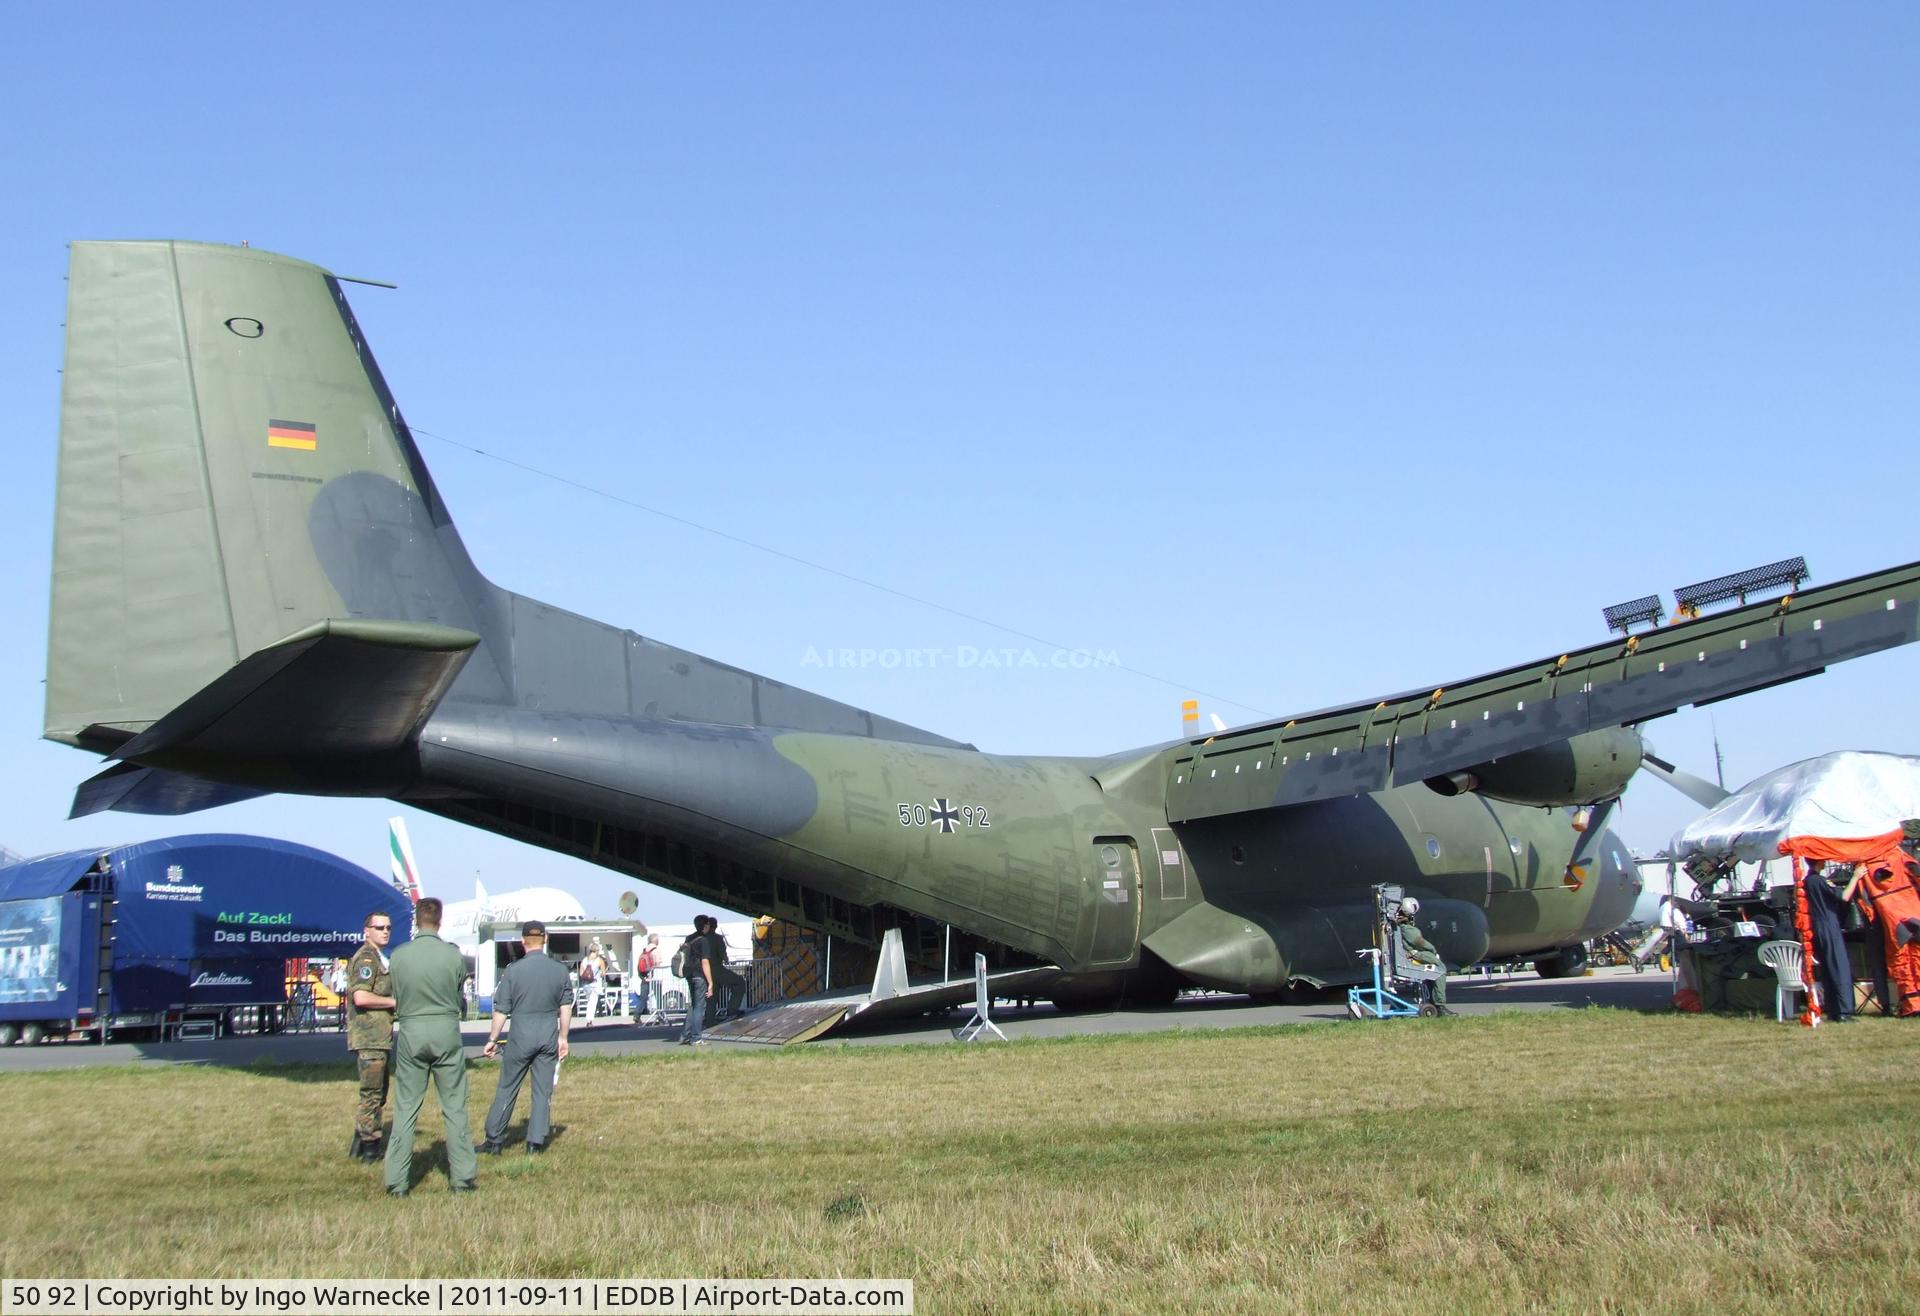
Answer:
(587, 972)
(686, 960)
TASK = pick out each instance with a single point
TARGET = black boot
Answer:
(373, 1152)
(355, 1147)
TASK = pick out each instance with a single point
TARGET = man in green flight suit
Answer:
(370, 1031)
(427, 973)
(1420, 950)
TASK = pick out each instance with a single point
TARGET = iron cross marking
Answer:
(944, 814)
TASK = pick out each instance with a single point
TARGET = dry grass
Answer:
(1583, 1162)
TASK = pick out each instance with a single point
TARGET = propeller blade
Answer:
(1698, 789)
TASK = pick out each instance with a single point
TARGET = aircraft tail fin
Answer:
(233, 476)
(1190, 720)
(235, 479)
(406, 874)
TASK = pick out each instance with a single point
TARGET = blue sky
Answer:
(1293, 355)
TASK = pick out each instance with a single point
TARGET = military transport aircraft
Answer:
(257, 588)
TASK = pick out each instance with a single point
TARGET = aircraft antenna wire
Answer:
(797, 560)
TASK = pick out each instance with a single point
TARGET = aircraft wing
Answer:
(1410, 737)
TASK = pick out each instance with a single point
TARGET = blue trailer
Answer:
(169, 934)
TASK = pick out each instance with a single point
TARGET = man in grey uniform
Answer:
(426, 1040)
(535, 993)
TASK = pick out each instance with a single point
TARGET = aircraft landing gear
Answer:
(1565, 963)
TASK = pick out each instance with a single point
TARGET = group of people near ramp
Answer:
(405, 1025)
(404, 1029)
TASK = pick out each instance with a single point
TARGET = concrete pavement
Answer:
(1619, 988)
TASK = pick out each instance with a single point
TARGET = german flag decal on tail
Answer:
(292, 434)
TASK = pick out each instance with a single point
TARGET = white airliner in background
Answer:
(460, 923)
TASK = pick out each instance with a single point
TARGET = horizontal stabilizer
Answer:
(336, 690)
(130, 788)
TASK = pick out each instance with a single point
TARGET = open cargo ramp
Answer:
(891, 997)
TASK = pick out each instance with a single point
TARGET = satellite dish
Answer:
(628, 903)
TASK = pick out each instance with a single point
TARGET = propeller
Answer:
(1698, 789)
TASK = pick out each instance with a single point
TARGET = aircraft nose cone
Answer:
(1618, 888)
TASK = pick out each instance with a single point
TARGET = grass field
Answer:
(1591, 1161)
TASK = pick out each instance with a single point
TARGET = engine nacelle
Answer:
(1584, 770)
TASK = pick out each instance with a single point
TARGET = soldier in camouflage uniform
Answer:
(370, 1031)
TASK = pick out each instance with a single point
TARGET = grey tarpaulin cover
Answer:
(1851, 795)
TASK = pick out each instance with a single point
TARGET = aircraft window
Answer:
(1109, 856)
(1513, 844)
(1433, 846)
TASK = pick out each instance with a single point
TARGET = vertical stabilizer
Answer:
(233, 472)
(406, 874)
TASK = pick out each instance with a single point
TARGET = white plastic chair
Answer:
(1784, 958)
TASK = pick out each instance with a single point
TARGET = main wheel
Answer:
(1151, 996)
(1563, 964)
(1086, 1002)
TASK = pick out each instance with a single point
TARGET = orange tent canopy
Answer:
(1830, 850)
